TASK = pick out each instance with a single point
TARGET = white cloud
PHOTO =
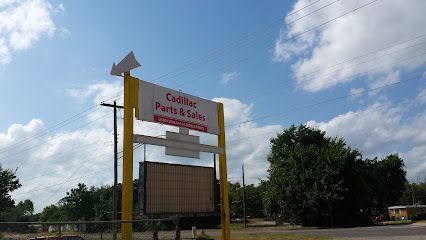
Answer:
(50, 159)
(64, 33)
(381, 129)
(376, 26)
(17, 132)
(97, 92)
(390, 78)
(421, 96)
(356, 91)
(227, 77)
(247, 142)
(22, 23)
(61, 7)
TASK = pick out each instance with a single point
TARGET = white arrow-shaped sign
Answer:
(128, 63)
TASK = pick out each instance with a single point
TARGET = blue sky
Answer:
(259, 58)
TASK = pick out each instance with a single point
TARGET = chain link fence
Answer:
(104, 230)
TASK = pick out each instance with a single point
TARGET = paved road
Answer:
(400, 232)
(406, 232)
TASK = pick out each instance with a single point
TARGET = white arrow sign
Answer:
(128, 63)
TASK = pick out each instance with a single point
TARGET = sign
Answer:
(128, 63)
(176, 189)
(182, 136)
(167, 106)
(162, 105)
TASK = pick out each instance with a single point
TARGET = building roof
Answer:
(407, 206)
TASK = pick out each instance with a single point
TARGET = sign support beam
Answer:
(127, 187)
(177, 144)
(224, 202)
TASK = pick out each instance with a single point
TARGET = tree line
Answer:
(313, 180)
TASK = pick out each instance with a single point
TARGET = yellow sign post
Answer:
(223, 176)
(127, 194)
(130, 102)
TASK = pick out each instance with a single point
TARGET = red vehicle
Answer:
(69, 237)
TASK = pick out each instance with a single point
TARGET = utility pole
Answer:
(244, 199)
(144, 152)
(115, 194)
(215, 186)
(412, 194)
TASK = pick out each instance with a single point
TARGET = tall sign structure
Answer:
(154, 103)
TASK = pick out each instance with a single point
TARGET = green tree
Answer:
(318, 180)
(79, 203)
(82, 203)
(254, 204)
(103, 205)
(8, 183)
(53, 213)
(22, 212)
(391, 177)
(303, 175)
(235, 198)
(414, 193)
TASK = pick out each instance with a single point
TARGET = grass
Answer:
(263, 236)
(400, 222)
(251, 225)
(257, 222)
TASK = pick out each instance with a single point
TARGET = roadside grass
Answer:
(260, 223)
(263, 236)
(252, 225)
(400, 222)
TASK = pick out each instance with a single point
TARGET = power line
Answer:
(351, 59)
(62, 183)
(237, 42)
(52, 172)
(328, 100)
(329, 21)
(341, 79)
(71, 175)
(56, 126)
(44, 132)
(365, 54)
(57, 184)
(359, 112)
(239, 46)
(302, 33)
(42, 143)
(375, 58)
(65, 153)
(68, 180)
(210, 73)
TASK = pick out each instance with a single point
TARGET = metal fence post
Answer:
(60, 230)
(155, 233)
(177, 234)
